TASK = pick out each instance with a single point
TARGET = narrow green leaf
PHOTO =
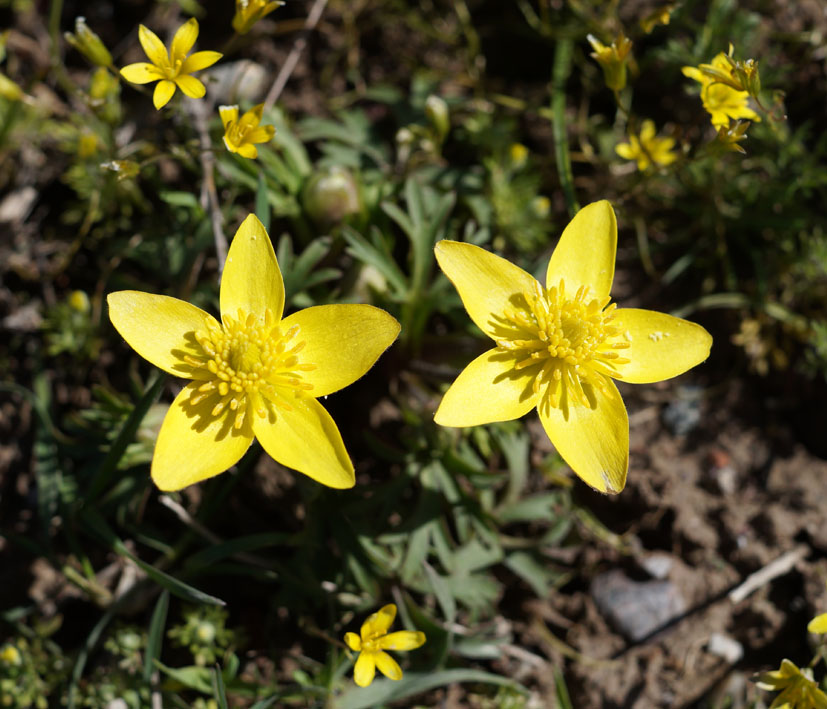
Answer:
(156, 635)
(219, 689)
(217, 552)
(125, 437)
(262, 203)
(442, 593)
(563, 700)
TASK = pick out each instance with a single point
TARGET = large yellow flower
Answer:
(241, 134)
(254, 374)
(648, 148)
(173, 69)
(560, 346)
(373, 640)
(721, 101)
(798, 689)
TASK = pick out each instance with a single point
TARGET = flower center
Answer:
(570, 341)
(248, 360)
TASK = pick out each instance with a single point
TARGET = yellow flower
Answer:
(254, 374)
(797, 687)
(720, 99)
(173, 69)
(241, 135)
(560, 346)
(818, 624)
(248, 12)
(10, 655)
(612, 59)
(660, 16)
(374, 641)
(648, 148)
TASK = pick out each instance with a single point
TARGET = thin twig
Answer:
(778, 567)
(293, 58)
(209, 194)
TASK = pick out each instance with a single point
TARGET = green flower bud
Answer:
(436, 111)
(331, 195)
(88, 43)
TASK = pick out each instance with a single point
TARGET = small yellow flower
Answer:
(241, 135)
(613, 59)
(254, 374)
(648, 148)
(818, 624)
(798, 688)
(374, 641)
(660, 16)
(559, 346)
(173, 69)
(10, 655)
(248, 12)
(518, 154)
(720, 99)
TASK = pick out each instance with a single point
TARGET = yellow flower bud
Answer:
(9, 90)
(79, 301)
(88, 43)
(612, 59)
(248, 12)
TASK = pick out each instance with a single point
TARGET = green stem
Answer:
(562, 68)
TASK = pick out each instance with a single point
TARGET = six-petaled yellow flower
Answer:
(248, 12)
(798, 688)
(173, 69)
(560, 346)
(254, 374)
(721, 101)
(648, 148)
(241, 134)
(372, 642)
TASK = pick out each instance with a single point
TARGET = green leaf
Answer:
(156, 635)
(366, 252)
(262, 205)
(527, 568)
(411, 684)
(181, 199)
(219, 689)
(251, 542)
(125, 436)
(442, 593)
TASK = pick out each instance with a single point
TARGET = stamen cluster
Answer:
(246, 360)
(570, 340)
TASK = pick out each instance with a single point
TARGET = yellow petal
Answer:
(365, 669)
(378, 623)
(247, 150)
(199, 61)
(696, 74)
(403, 640)
(153, 47)
(262, 134)
(252, 280)
(191, 86)
(585, 254)
(661, 346)
(141, 73)
(818, 624)
(193, 445)
(625, 151)
(487, 284)
(163, 93)
(253, 116)
(230, 146)
(342, 341)
(647, 131)
(489, 389)
(594, 442)
(354, 642)
(228, 115)
(306, 439)
(183, 40)
(388, 666)
(159, 328)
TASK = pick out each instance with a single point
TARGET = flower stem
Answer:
(562, 68)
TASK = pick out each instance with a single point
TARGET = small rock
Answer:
(636, 608)
(725, 647)
(16, 205)
(683, 414)
(657, 565)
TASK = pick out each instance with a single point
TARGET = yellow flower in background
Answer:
(254, 374)
(241, 135)
(818, 624)
(248, 12)
(10, 655)
(173, 69)
(660, 16)
(720, 99)
(559, 346)
(373, 640)
(648, 148)
(613, 59)
(798, 688)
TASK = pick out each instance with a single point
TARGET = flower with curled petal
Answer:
(798, 689)
(561, 345)
(373, 640)
(173, 69)
(254, 374)
(241, 134)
